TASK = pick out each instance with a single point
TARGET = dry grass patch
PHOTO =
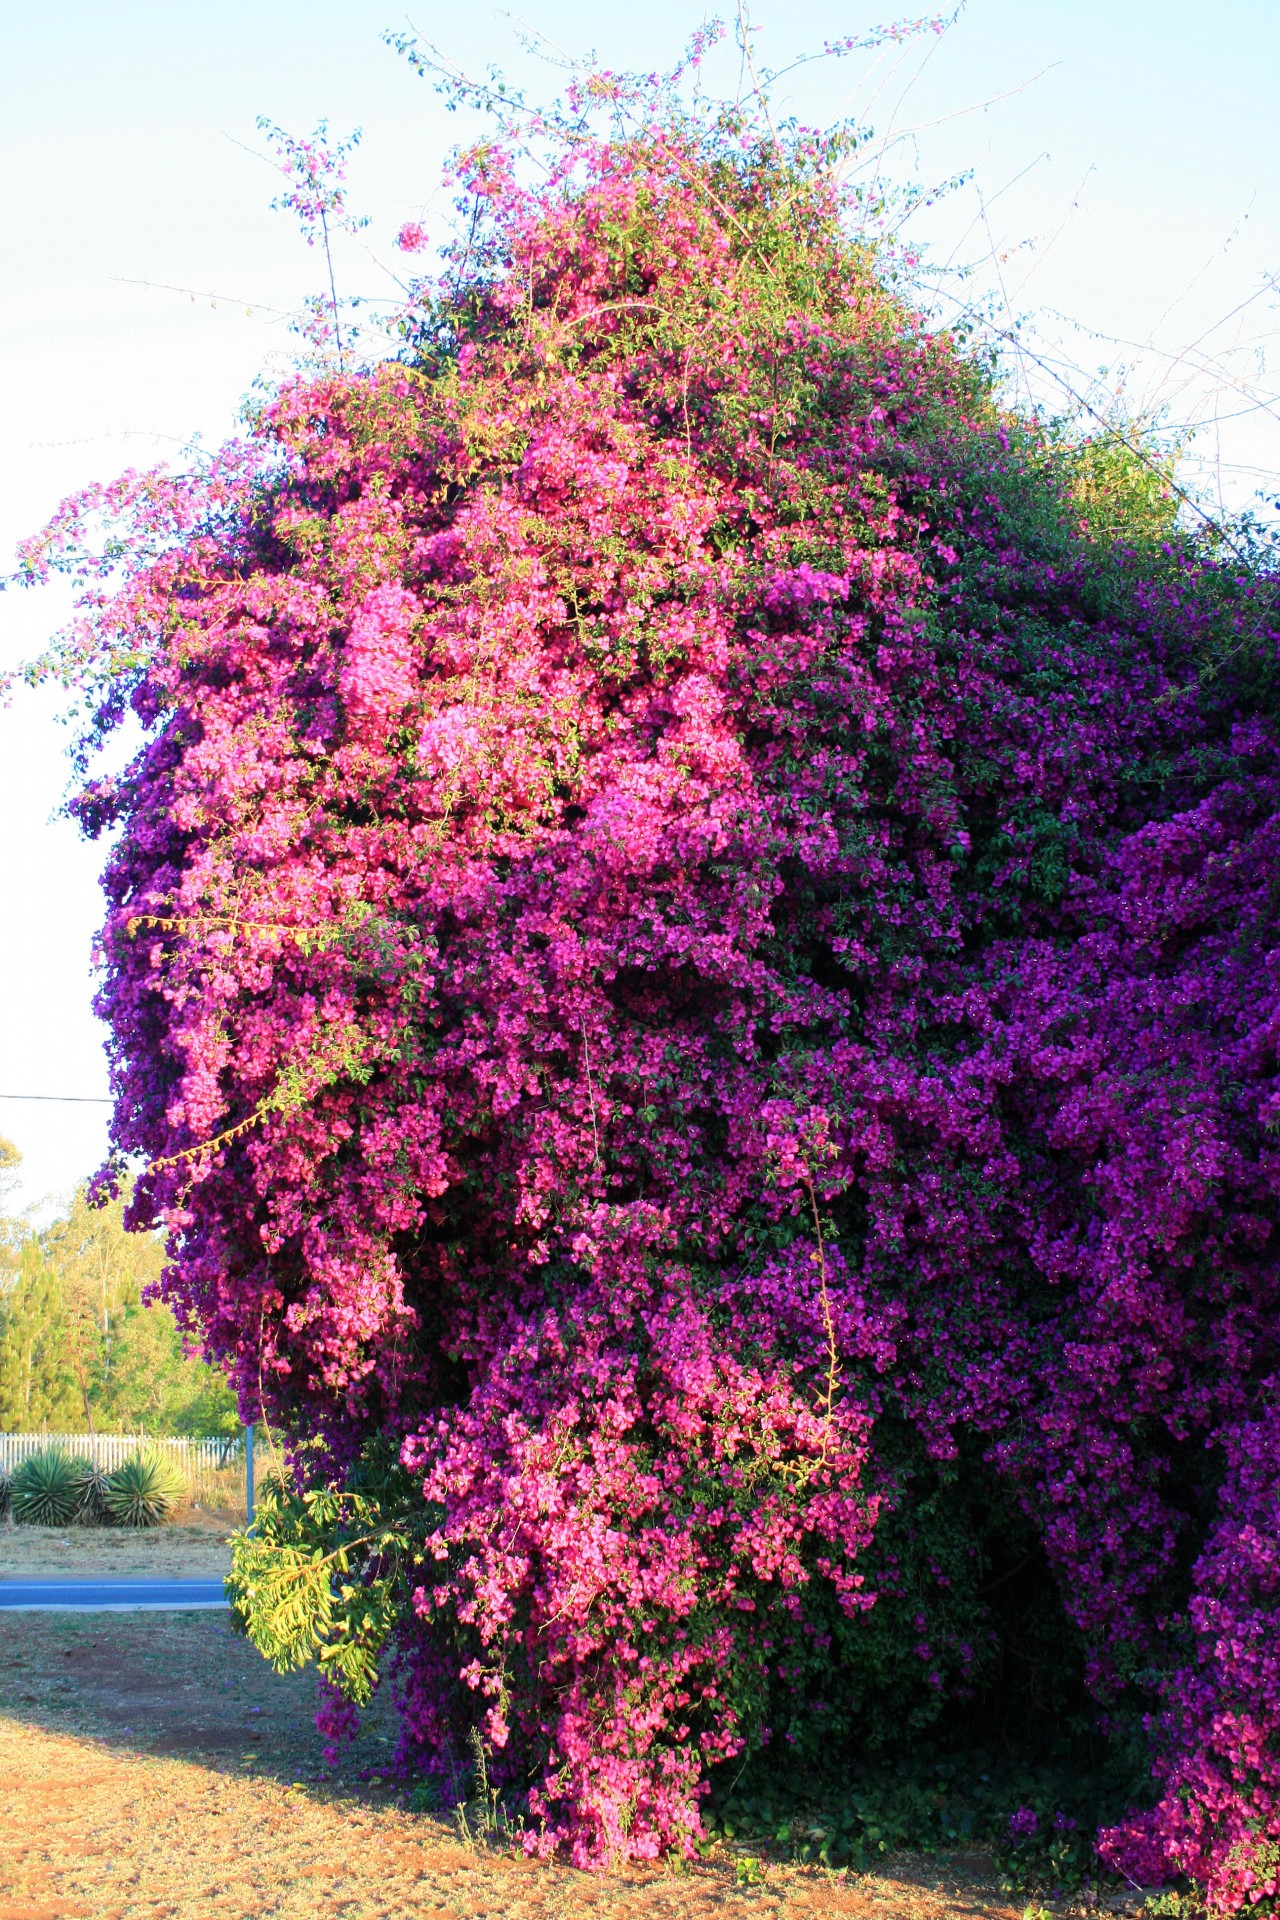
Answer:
(195, 1548)
(152, 1768)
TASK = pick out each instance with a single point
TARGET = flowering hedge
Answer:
(692, 949)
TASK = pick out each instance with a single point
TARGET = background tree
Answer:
(82, 1343)
(38, 1386)
(124, 1342)
(11, 1227)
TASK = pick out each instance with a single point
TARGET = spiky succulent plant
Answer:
(142, 1492)
(45, 1488)
(91, 1486)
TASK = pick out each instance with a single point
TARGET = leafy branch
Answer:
(321, 1576)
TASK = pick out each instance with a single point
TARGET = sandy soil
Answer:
(152, 1768)
(196, 1548)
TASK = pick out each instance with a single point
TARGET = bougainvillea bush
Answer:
(693, 952)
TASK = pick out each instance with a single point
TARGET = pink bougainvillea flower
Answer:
(693, 955)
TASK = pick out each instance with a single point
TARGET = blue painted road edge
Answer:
(108, 1596)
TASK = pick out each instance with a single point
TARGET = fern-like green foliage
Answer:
(325, 1576)
(45, 1488)
(142, 1492)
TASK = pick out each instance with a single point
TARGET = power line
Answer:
(64, 1099)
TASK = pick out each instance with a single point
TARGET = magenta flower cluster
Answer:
(683, 907)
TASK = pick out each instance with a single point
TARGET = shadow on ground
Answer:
(153, 1762)
(179, 1686)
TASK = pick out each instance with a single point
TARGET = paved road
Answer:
(108, 1596)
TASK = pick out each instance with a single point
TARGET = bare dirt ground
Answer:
(195, 1547)
(153, 1768)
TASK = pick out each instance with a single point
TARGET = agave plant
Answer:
(45, 1488)
(92, 1489)
(143, 1491)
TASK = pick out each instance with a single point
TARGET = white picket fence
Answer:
(208, 1466)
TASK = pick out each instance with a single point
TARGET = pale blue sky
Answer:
(1127, 161)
